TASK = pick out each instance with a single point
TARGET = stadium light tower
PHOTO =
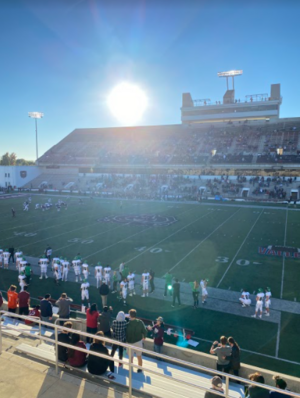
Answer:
(36, 115)
(232, 74)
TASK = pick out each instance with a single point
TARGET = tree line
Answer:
(10, 159)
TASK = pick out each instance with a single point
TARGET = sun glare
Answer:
(127, 103)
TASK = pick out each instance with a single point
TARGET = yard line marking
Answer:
(157, 243)
(239, 249)
(278, 336)
(122, 240)
(203, 240)
(283, 257)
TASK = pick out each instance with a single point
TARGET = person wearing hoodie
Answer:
(119, 333)
(105, 321)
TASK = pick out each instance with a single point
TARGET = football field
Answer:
(234, 245)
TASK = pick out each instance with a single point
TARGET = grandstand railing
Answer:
(130, 348)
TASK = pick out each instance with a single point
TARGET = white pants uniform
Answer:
(65, 273)
(22, 282)
(85, 273)
(57, 274)
(98, 278)
(204, 291)
(44, 271)
(6, 257)
(146, 285)
(107, 278)
(267, 303)
(77, 270)
(245, 301)
(85, 294)
(259, 305)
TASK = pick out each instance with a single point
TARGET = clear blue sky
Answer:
(63, 58)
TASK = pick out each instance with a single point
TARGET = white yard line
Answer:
(203, 240)
(283, 257)
(138, 233)
(278, 337)
(229, 266)
(116, 243)
(169, 236)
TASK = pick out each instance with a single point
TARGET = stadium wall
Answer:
(17, 176)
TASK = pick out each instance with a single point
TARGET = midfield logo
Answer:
(142, 219)
(280, 251)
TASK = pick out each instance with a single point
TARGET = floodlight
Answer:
(213, 152)
(169, 287)
(35, 115)
(279, 151)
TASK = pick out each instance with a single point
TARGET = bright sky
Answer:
(63, 58)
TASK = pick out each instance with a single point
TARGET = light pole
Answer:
(36, 115)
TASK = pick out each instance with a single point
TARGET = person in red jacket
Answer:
(92, 315)
(77, 358)
(35, 312)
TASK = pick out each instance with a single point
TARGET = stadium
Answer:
(130, 254)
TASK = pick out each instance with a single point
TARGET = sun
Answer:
(127, 103)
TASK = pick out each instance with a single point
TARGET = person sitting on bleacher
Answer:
(64, 337)
(34, 312)
(216, 384)
(77, 358)
(96, 365)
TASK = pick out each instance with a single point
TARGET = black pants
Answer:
(92, 331)
(152, 285)
(11, 257)
(223, 368)
(114, 349)
(176, 296)
(12, 310)
(196, 298)
(115, 284)
(28, 279)
(23, 310)
(64, 317)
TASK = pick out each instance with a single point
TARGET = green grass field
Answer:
(215, 241)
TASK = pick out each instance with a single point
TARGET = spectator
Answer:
(46, 308)
(28, 271)
(176, 292)
(119, 333)
(12, 299)
(216, 384)
(168, 283)
(254, 391)
(77, 358)
(34, 312)
(97, 365)
(195, 291)
(279, 383)
(64, 307)
(24, 301)
(158, 331)
(92, 315)
(104, 290)
(235, 362)
(152, 276)
(136, 333)
(64, 337)
(223, 351)
(105, 321)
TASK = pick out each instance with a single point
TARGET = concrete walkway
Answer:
(218, 299)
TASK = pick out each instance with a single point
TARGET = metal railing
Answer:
(130, 350)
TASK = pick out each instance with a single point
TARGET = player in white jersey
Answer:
(145, 283)
(123, 287)
(85, 294)
(77, 268)
(26, 207)
(22, 282)
(259, 303)
(22, 266)
(18, 257)
(203, 285)
(37, 206)
(268, 296)
(55, 260)
(43, 263)
(245, 298)
(131, 281)
(106, 274)
(65, 269)
(57, 273)
(6, 255)
(98, 274)
(85, 270)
